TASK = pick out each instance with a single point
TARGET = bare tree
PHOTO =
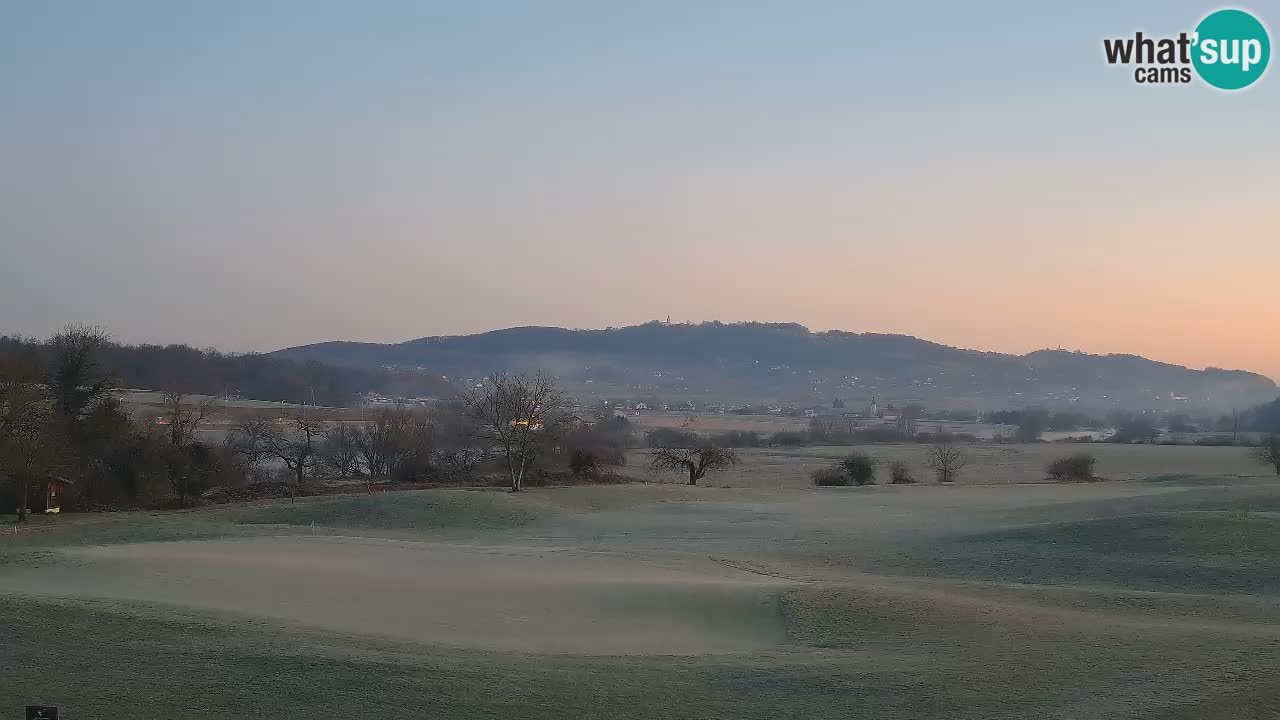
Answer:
(78, 379)
(1235, 426)
(340, 452)
(184, 419)
(697, 461)
(412, 447)
(946, 460)
(820, 428)
(911, 414)
(31, 451)
(295, 444)
(1035, 421)
(1268, 452)
(458, 441)
(27, 427)
(851, 424)
(375, 441)
(520, 414)
(33, 455)
(394, 443)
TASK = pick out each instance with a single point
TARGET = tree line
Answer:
(193, 371)
(61, 420)
(1132, 427)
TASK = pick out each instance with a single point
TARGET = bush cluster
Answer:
(1073, 467)
(856, 469)
(831, 476)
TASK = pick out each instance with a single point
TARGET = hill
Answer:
(787, 363)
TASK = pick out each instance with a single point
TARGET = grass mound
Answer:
(1185, 552)
(1245, 536)
(396, 511)
(851, 617)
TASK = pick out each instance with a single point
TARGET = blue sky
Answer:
(254, 175)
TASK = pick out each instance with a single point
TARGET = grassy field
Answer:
(763, 424)
(713, 423)
(223, 414)
(1155, 597)
(997, 463)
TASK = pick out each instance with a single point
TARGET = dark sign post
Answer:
(43, 712)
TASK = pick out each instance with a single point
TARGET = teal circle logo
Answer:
(1231, 49)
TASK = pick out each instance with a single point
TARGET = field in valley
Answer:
(714, 423)
(986, 463)
(1153, 596)
(717, 423)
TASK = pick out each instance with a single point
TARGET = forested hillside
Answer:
(743, 362)
(260, 377)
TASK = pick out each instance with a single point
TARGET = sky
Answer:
(250, 176)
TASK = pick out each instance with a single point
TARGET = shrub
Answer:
(900, 473)
(1073, 467)
(670, 437)
(583, 463)
(877, 435)
(413, 468)
(608, 477)
(1032, 424)
(790, 439)
(1268, 451)
(857, 469)
(831, 476)
(606, 442)
(739, 438)
(860, 467)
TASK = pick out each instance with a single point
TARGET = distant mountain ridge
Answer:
(786, 362)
